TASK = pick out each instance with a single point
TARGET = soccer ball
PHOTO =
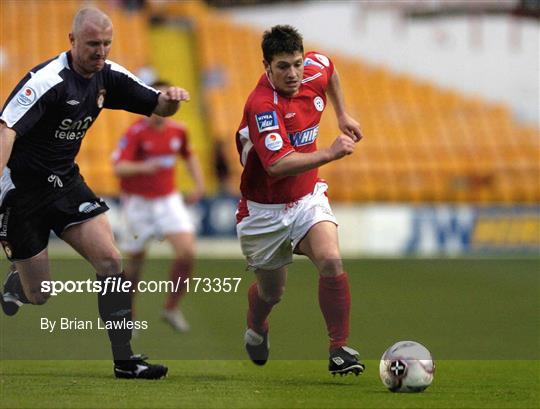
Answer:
(407, 366)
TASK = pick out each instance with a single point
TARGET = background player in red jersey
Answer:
(151, 205)
(284, 208)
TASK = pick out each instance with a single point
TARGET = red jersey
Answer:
(273, 126)
(143, 142)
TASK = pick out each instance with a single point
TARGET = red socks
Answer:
(180, 270)
(335, 303)
(334, 300)
(258, 311)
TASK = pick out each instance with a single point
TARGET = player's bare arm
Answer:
(7, 138)
(127, 168)
(347, 124)
(194, 169)
(298, 162)
(169, 101)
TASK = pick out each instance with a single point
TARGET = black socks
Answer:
(115, 311)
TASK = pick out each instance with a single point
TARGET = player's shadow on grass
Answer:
(71, 375)
(201, 377)
(293, 381)
(329, 382)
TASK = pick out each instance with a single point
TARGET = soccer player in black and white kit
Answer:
(42, 126)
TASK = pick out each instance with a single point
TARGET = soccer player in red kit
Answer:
(284, 208)
(151, 205)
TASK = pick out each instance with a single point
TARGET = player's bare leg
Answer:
(262, 296)
(133, 266)
(322, 247)
(94, 240)
(183, 245)
(23, 284)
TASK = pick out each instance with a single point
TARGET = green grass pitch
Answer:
(479, 317)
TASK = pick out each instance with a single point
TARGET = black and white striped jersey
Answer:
(51, 110)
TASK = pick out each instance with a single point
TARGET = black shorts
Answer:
(24, 235)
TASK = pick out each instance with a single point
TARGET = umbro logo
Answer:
(72, 102)
(289, 115)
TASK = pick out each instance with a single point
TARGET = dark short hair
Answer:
(281, 39)
(159, 83)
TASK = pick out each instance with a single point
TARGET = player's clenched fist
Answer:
(176, 94)
(169, 101)
(350, 127)
(342, 146)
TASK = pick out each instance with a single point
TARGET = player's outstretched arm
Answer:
(169, 101)
(298, 162)
(347, 124)
(7, 138)
(126, 168)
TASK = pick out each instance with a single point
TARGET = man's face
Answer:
(286, 72)
(90, 48)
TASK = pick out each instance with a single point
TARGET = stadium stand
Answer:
(422, 143)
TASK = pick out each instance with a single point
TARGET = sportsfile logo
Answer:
(304, 137)
(267, 121)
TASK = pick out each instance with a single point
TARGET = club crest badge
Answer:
(319, 103)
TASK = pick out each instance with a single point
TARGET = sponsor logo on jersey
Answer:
(273, 141)
(165, 161)
(319, 104)
(73, 130)
(87, 207)
(304, 137)
(175, 144)
(122, 143)
(267, 121)
(101, 98)
(26, 97)
(309, 61)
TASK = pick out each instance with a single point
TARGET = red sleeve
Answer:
(127, 146)
(319, 62)
(267, 132)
